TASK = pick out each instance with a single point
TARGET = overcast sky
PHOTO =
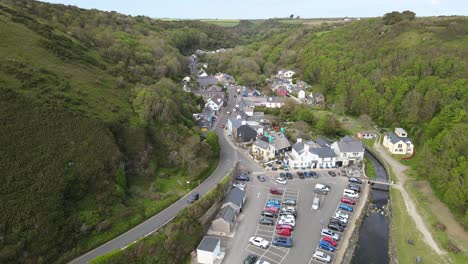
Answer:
(271, 8)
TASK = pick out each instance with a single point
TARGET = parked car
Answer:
(289, 202)
(243, 177)
(300, 174)
(276, 191)
(345, 207)
(261, 178)
(336, 227)
(336, 221)
(283, 232)
(271, 209)
(222, 126)
(266, 221)
(261, 261)
(348, 201)
(341, 214)
(332, 173)
(274, 201)
(250, 259)
(328, 232)
(322, 256)
(342, 219)
(287, 217)
(282, 175)
(307, 174)
(321, 188)
(281, 180)
(327, 246)
(314, 174)
(285, 226)
(355, 180)
(193, 197)
(269, 214)
(289, 175)
(350, 193)
(356, 188)
(259, 242)
(330, 240)
(282, 242)
(240, 185)
(274, 168)
(287, 221)
(316, 203)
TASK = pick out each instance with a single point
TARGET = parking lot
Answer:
(309, 222)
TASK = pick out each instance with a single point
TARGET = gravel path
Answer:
(399, 171)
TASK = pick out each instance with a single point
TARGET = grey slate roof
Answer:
(208, 243)
(236, 122)
(280, 141)
(235, 196)
(394, 138)
(347, 139)
(261, 144)
(207, 81)
(228, 213)
(298, 147)
(323, 152)
(354, 146)
(323, 142)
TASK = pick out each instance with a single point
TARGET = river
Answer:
(372, 247)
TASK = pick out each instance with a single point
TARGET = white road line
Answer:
(258, 196)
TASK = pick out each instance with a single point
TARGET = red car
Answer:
(271, 209)
(330, 240)
(284, 232)
(285, 226)
(222, 126)
(276, 191)
(348, 201)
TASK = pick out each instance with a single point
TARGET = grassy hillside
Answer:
(94, 127)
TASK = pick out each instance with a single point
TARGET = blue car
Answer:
(270, 204)
(307, 174)
(327, 246)
(243, 177)
(282, 242)
(345, 207)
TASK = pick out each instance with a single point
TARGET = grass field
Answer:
(403, 228)
(222, 22)
(370, 170)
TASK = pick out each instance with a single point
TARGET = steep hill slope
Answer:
(93, 126)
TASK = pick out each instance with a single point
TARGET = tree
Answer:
(212, 140)
(392, 18)
(408, 15)
(291, 16)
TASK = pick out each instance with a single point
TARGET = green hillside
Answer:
(400, 71)
(93, 125)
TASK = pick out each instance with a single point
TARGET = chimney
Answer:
(299, 140)
(306, 147)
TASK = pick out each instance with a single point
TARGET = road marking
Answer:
(258, 196)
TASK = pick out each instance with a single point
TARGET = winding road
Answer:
(228, 158)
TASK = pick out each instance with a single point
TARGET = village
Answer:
(268, 154)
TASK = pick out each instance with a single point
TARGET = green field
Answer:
(222, 22)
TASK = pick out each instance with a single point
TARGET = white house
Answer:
(285, 74)
(366, 135)
(398, 143)
(215, 103)
(262, 150)
(310, 155)
(348, 151)
(209, 251)
(301, 94)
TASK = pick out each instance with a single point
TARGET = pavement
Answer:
(228, 158)
(308, 224)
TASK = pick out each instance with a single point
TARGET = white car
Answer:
(341, 214)
(328, 232)
(289, 208)
(239, 185)
(287, 221)
(280, 181)
(342, 219)
(259, 242)
(321, 256)
(261, 261)
(286, 217)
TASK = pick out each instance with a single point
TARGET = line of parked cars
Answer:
(338, 222)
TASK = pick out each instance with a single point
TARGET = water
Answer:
(372, 247)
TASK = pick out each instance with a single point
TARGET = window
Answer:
(400, 146)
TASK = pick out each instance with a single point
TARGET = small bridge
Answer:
(380, 185)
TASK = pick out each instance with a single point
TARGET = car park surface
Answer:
(306, 233)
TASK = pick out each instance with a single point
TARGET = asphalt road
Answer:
(308, 225)
(228, 158)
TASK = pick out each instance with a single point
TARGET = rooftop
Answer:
(208, 243)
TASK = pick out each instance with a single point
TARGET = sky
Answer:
(251, 9)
